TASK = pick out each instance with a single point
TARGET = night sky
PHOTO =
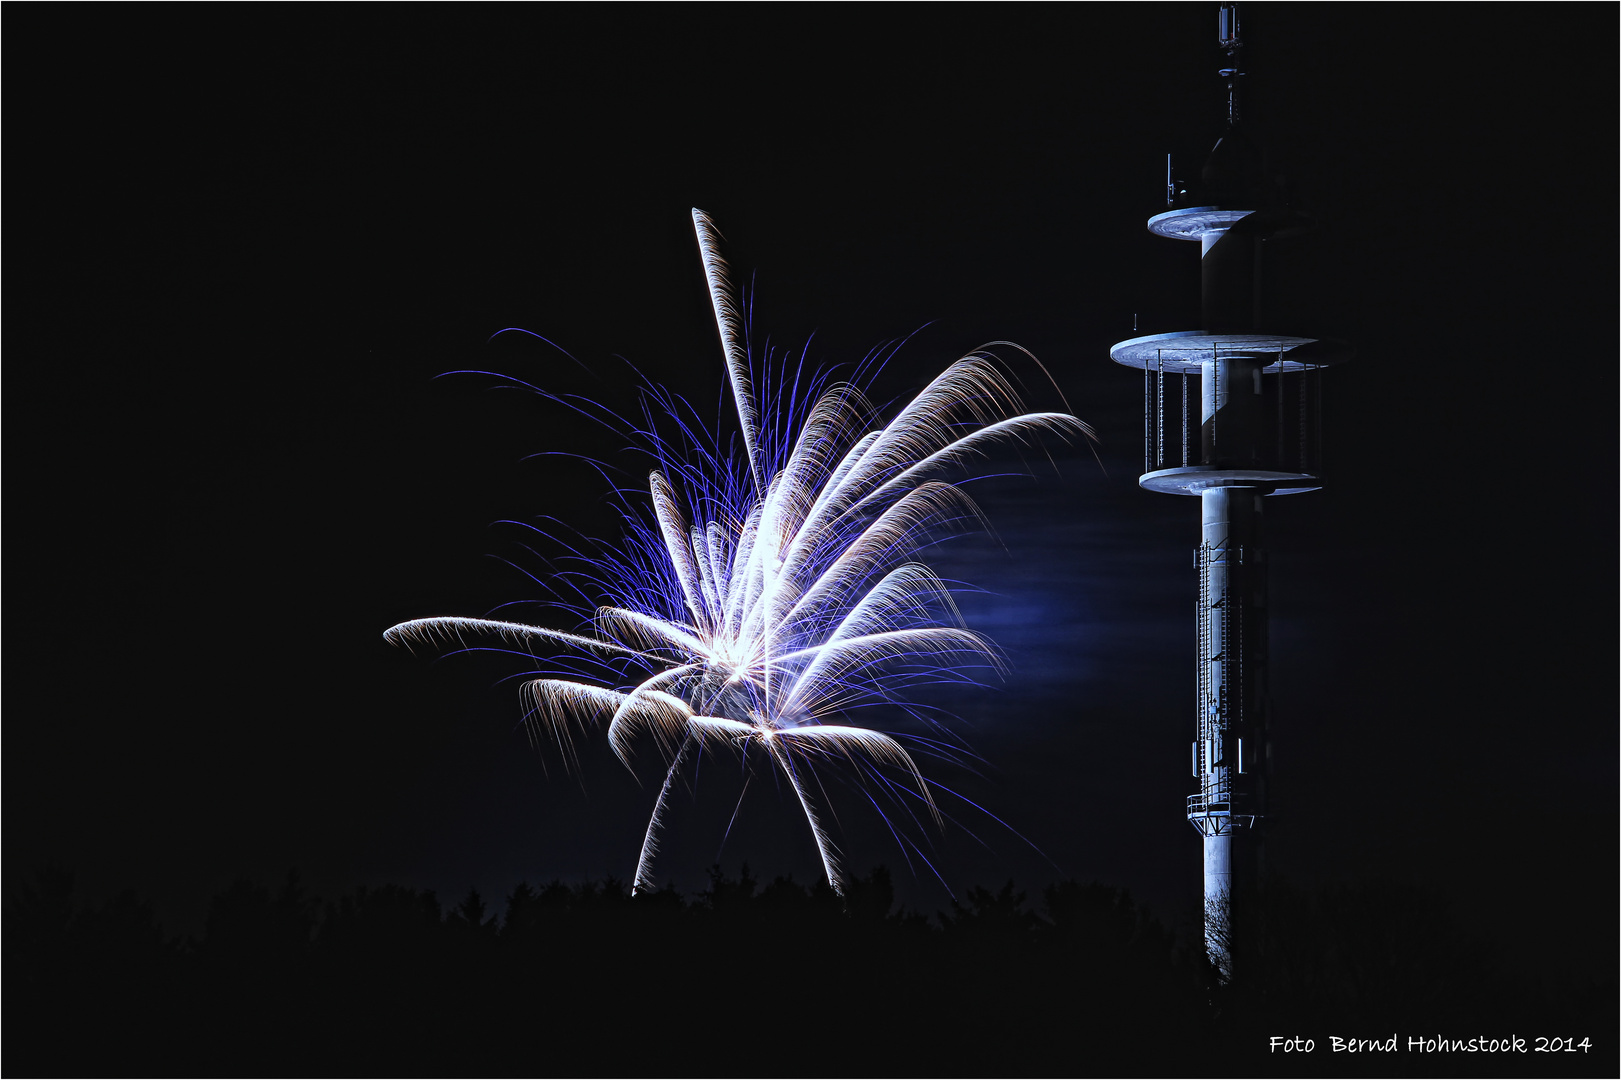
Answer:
(246, 239)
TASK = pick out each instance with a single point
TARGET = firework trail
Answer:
(760, 610)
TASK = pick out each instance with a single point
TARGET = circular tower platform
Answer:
(1196, 222)
(1198, 479)
(1186, 351)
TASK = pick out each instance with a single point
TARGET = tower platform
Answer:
(1186, 352)
(1198, 222)
(1198, 479)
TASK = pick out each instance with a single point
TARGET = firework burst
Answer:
(760, 607)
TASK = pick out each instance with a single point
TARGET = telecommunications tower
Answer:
(1258, 399)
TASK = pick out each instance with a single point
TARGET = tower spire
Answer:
(1228, 34)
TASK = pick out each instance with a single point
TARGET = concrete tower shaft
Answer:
(1229, 276)
(1230, 806)
(1229, 407)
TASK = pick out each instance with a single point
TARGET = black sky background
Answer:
(245, 240)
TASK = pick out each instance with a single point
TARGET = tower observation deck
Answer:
(1231, 414)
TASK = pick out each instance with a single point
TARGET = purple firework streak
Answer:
(762, 605)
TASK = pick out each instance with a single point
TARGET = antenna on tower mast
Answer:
(1229, 36)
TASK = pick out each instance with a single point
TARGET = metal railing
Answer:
(1290, 419)
(1216, 812)
(1157, 453)
(1217, 803)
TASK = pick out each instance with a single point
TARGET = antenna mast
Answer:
(1253, 437)
(1228, 34)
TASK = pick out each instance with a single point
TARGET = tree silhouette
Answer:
(382, 979)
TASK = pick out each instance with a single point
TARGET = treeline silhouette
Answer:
(780, 979)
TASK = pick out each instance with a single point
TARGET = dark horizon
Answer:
(242, 268)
